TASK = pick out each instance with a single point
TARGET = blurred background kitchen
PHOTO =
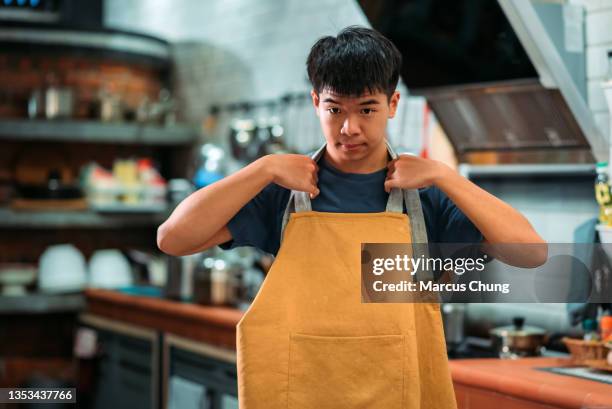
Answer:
(112, 112)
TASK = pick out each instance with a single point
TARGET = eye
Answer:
(333, 110)
(367, 111)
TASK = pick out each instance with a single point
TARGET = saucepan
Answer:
(518, 340)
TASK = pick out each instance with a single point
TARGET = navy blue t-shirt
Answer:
(258, 223)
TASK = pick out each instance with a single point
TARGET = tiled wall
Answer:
(599, 41)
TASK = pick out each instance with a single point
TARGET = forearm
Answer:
(496, 220)
(197, 218)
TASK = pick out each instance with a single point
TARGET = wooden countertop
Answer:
(213, 325)
(480, 383)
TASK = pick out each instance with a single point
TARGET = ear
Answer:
(315, 100)
(393, 102)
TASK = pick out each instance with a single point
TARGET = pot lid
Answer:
(517, 329)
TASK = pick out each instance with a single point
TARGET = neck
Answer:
(376, 160)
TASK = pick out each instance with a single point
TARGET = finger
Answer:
(312, 187)
(391, 174)
(390, 184)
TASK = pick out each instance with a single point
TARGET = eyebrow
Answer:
(368, 102)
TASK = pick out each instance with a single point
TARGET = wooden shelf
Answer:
(42, 303)
(10, 218)
(96, 132)
(528, 170)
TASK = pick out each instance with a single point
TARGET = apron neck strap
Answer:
(396, 198)
(301, 200)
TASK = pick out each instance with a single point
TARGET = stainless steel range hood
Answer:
(506, 77)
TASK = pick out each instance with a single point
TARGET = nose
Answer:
(350, 126)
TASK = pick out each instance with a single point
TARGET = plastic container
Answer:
(602, 194)
(590, 330)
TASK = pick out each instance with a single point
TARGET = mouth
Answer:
(349, 147)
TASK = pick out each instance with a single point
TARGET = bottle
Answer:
(219, 277)
(605, 324)
(602, 194)
(590, 330)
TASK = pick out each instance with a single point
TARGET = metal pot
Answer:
(218, 282)
(179, 284)
(454, 324)
(518, 340)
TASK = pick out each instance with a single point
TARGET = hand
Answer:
(413, 172)
(294, 172)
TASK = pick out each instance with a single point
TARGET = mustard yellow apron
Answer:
(307, 341)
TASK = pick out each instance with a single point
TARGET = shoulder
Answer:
(436, 197)
(432, 197)
(274, 196)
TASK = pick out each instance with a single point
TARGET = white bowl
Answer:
(61, 269)
(14, 277)
(109, 269)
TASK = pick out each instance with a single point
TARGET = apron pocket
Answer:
(346, 372)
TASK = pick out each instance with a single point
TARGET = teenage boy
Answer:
(307, 341)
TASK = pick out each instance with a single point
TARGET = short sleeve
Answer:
(452, 225)
(257, 224)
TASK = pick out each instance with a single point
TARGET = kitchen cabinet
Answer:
(139, 367)
(127, 366)
(206, 372)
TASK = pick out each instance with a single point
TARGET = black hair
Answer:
(358, 59)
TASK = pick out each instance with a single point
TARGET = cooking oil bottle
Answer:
(602, 194)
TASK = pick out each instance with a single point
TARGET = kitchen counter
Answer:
(212, 325)
(514, 384)
(479, 383)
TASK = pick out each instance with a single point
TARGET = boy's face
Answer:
(354, 128)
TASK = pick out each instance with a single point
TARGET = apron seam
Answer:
(403, 370)
(336, 222)
(288, 369)
(341, 215)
